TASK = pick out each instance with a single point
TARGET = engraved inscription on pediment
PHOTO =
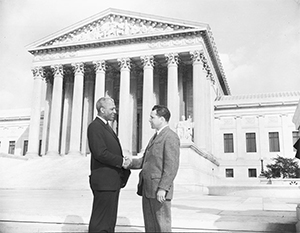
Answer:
(113, 26)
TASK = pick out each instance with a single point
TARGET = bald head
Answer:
(106, 108)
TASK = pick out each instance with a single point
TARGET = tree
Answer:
(282, 167)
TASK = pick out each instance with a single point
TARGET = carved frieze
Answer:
(114, 26)
(45, 56)
(175, 41)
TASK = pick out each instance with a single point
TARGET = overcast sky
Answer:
(258, 40)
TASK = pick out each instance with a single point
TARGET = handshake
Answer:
(127, 162)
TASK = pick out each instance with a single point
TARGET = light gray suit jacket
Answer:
(159, 164)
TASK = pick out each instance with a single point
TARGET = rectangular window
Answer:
(228, 143)
(252, 172)
(25, 147)
(250, 142)
(11, 148)
(274, 142)
(229, 172)
(296, 136)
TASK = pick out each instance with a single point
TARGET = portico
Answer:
(138, 60)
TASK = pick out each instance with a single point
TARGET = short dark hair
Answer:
(162, 111)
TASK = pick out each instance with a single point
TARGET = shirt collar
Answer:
(105, 121)
(158, 131)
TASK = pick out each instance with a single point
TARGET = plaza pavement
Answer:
(52, 195)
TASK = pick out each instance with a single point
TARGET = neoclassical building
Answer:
(139, 60)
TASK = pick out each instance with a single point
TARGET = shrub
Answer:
(282, 167)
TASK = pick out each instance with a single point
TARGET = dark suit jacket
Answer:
(160, 164)
(106, 158)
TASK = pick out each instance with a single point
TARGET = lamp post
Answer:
(262, 167)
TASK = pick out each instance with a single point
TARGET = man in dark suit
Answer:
(107, 174)
(159, 167)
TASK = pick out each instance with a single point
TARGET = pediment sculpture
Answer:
(113, 26)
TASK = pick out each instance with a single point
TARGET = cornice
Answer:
(115, 41)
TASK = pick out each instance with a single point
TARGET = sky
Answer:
(258, 41)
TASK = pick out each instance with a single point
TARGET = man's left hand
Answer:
(161, 195)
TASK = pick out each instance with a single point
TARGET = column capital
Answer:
(100, 66)
(147, 61)
(124, 63)
(78, 68)
(38, 72)
(172, 58)
(57, 70)
(197, 56)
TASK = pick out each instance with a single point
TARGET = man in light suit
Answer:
(107, 174)
(159, 167)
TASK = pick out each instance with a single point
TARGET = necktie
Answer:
(109, 128)
(154, 136)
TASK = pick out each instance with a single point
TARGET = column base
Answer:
(32, 155)
(52, 153)
(74, 153)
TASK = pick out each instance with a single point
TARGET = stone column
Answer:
(124, 102)
(100, 68)
(34, 128)
(148, 99)
(199, 92)
(173, 94)
(76, 118)
(67, 112)
(56, 109)
(286, 136)
(209, 112)
(47, 110)
(87, 109)
(240, 144)
(262, 140)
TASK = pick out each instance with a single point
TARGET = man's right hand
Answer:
(126, 162)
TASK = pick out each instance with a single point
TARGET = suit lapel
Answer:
(157, 138)
(108, 128)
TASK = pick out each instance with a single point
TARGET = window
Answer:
(11, 148)
(228, 143)
(25, 147)
(296, 136)
(229, 172)
(274, 141)
(250, 142)
(252, 172)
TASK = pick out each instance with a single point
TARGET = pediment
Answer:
(115, 24)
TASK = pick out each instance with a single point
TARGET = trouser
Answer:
(104, 211)
(157, 216)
